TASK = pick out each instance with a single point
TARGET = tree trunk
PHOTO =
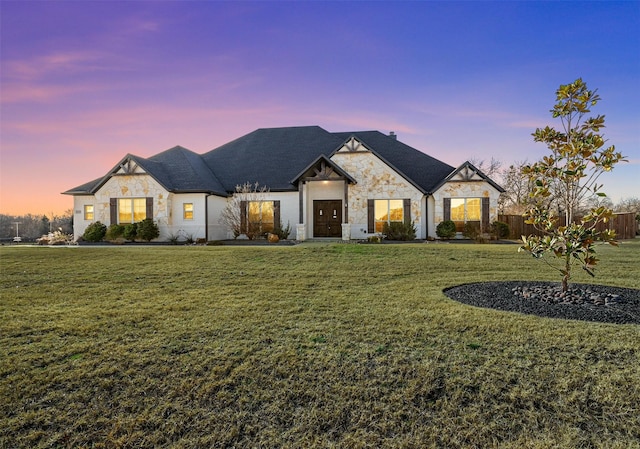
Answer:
(566, 275)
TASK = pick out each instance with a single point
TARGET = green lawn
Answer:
(310, 346)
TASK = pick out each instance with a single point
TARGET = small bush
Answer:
(173, 239)
(472, 230)
(131, 231)
(95, 232)
(446, 229)
(500, 230)
(282, 233)
(114, 232)
(147, 230)
(399, 231)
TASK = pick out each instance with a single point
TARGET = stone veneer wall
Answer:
(135, 186)
(472, 189)
(375, 180)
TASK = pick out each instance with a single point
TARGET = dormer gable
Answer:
(467, 172)
(128, 166)
(353, 145)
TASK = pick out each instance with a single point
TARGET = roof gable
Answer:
(176, 170)
(323, 169)
(353, 145)
(422, 170)
(467, 172)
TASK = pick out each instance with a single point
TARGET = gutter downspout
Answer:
(206, 216)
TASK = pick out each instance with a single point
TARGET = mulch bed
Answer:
(585, 302)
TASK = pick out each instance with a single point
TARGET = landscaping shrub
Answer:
(472, 230)
(282, 233)
(399, 231)
(95, 232)
(131, 231)
(114, 232)
(446, 229)
(147, 230)
(500, 230)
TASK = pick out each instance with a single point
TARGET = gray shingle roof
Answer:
(274, 157)
(176, 169)
(271, 157)
(181, 170)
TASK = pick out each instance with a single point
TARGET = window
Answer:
(387, 211)
(187, 211)
(88, 212)
(464, 210)
(132, 210)
(261, 216)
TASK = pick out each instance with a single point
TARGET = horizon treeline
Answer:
(30, 227)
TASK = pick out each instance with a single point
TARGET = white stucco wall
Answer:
(180, 227)
(288, 213)
(79, 223)
(289, 209)
(376, 180)
(215, 206)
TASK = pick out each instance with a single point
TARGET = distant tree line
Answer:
(31, 227)
(517, 197)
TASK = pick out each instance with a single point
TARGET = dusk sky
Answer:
(85, 83)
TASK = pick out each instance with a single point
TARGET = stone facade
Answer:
(375, 180)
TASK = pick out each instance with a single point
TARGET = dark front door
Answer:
(327, 218)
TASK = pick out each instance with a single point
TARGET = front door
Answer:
(327, 218)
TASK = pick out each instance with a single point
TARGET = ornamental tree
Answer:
(565, 178)
(232, 214)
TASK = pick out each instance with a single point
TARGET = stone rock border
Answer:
(585, 302)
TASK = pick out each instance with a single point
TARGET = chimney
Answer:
(393, 135)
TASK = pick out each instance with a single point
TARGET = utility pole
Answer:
(17, 223)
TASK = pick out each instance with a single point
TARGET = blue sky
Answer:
(84, 83)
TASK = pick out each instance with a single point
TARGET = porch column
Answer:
(301, 232)
(346, 231)
(345, 216)
(301, 201)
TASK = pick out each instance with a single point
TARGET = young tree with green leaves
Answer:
(567, 176)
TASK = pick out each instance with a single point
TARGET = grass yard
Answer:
(310, 346)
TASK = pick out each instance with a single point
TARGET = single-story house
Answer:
(342, 185)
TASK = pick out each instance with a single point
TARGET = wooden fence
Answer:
(624, 224)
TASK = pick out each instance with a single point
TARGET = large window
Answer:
(88, 212)
(261, 216)
(187, 211)
(132, 210)
(387, 211)
(464, 210)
